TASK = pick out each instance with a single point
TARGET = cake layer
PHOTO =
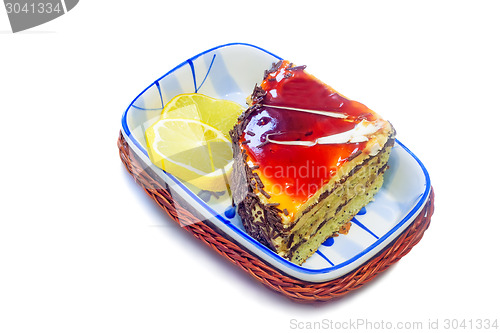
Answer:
(336, 207)
(306, 159)
(263, 220)
(331, 225)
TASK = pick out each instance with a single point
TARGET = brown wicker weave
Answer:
(293, 288)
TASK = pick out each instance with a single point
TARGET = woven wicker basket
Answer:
(293, 288)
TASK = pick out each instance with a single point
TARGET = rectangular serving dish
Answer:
(230, 72)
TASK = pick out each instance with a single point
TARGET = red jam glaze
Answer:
(300, 171)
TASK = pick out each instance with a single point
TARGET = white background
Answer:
(83, 249)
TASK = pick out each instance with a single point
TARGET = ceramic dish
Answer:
(231, 72)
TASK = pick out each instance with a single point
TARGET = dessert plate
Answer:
(230, 72)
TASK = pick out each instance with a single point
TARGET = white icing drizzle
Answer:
(359, 133)
(323, 113)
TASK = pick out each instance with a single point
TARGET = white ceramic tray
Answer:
(231, 72)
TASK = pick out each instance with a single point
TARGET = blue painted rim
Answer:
(228, 223)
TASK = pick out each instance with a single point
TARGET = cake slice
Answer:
(306, 160)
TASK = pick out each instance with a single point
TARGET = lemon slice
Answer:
(219, 113)
(192, 151)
